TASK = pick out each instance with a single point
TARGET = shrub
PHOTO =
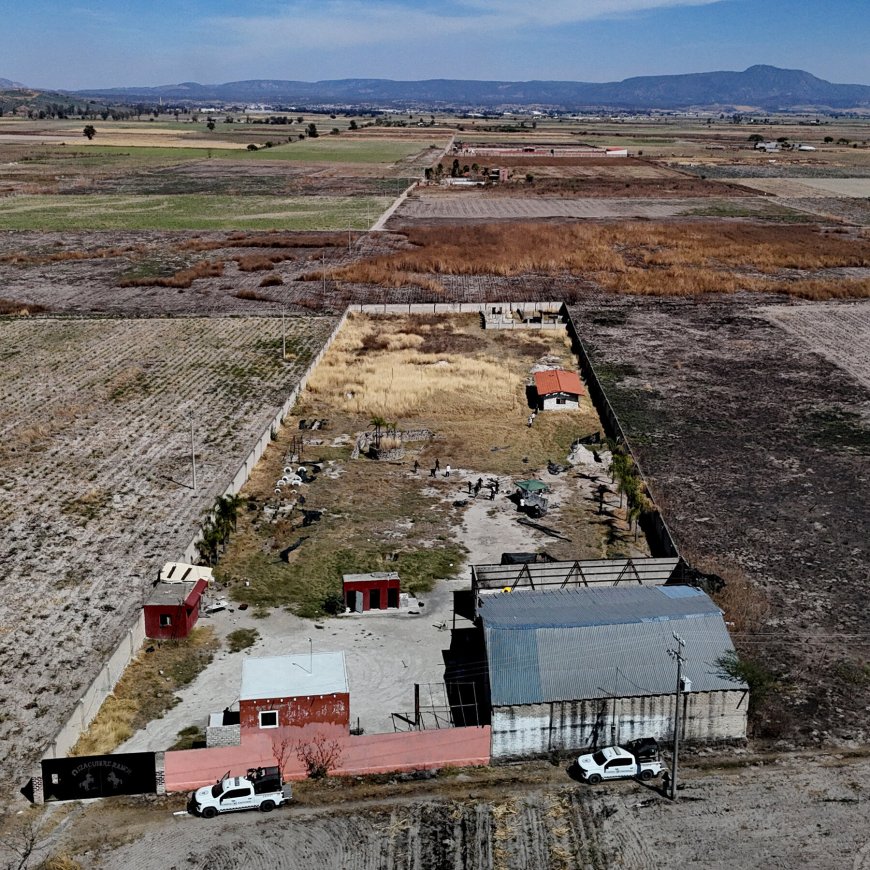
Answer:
(242, 638)
(333, 604)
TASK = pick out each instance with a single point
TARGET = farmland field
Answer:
(756, 448)
(188, 211)
(838, 332)
(95, 463)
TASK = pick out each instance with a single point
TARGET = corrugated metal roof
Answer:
(597, 643)
(592, 606)
(558, 381)
(292, 676)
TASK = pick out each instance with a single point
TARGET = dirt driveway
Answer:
(734, 812)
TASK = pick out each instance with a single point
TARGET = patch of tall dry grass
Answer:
(665, 258)
(182, 279)
(377, 367)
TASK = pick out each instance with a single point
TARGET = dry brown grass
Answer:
(19, 309)
(261, 262)
(23, 258)
(665, 258)
(401, 381)
(181, 279)
(447, 374)
(252, 295)
(267, 240)
(273, 280)
(745, 605)
(146, 690)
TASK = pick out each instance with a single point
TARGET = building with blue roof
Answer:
(573, 668)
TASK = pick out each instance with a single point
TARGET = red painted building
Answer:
(294, 690)
(173, 609)
(377, 591)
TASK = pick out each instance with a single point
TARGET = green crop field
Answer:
(334, 149)
(189, 212)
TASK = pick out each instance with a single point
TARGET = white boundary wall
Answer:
(89, 704)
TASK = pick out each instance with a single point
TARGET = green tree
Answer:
(312, 131)
(210, 124)
(89, 132)
(352, 125)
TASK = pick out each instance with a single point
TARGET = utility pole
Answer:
(323, 270)
(192, 455)
(283, 337)
(678, 655)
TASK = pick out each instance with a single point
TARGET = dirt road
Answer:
(736, 811)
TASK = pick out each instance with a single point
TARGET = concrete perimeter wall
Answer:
(358, 755)
(536, 729)
(657, 533)
(452, 308)
(89, 704)
(104, 684)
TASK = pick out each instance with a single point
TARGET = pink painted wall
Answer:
(368, 753)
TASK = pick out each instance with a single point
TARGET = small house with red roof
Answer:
(557, 389)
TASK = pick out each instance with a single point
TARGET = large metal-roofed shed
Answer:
(577, 573)
(570, 668)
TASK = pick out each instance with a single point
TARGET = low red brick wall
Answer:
(369, 753)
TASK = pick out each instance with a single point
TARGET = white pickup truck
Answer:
(621, 762)
(261, 789)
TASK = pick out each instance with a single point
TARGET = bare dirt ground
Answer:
(839, 332)
(467, 205)
(851, 188)
(755, 448)
(89, 281)
(750, 812)
(95, 463)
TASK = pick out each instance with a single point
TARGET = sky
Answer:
(112, 43)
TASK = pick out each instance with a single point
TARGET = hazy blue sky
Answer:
(98, 43)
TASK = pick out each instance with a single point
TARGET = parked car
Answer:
(619, 762)
(262, 789)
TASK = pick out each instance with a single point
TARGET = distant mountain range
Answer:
(9, 85)
(765, 88)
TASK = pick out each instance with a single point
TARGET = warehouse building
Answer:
(581, 667)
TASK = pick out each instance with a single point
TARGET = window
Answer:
(165, 620)
(560, 401)
(269, 719)
(235, 793)
(620, 762)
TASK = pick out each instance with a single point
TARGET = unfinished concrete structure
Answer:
(574, 574)
(574, 668)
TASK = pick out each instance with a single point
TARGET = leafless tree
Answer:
(319, 755)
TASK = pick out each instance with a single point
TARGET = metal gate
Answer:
(90, 776)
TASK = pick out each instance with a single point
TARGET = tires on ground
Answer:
(267, 806)
(209, 813)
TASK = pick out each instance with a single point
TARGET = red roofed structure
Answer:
(173, 609)
(557, 388)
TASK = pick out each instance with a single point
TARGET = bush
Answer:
(742, 670)
(333, 604)
(242, 638)
(252, 147)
